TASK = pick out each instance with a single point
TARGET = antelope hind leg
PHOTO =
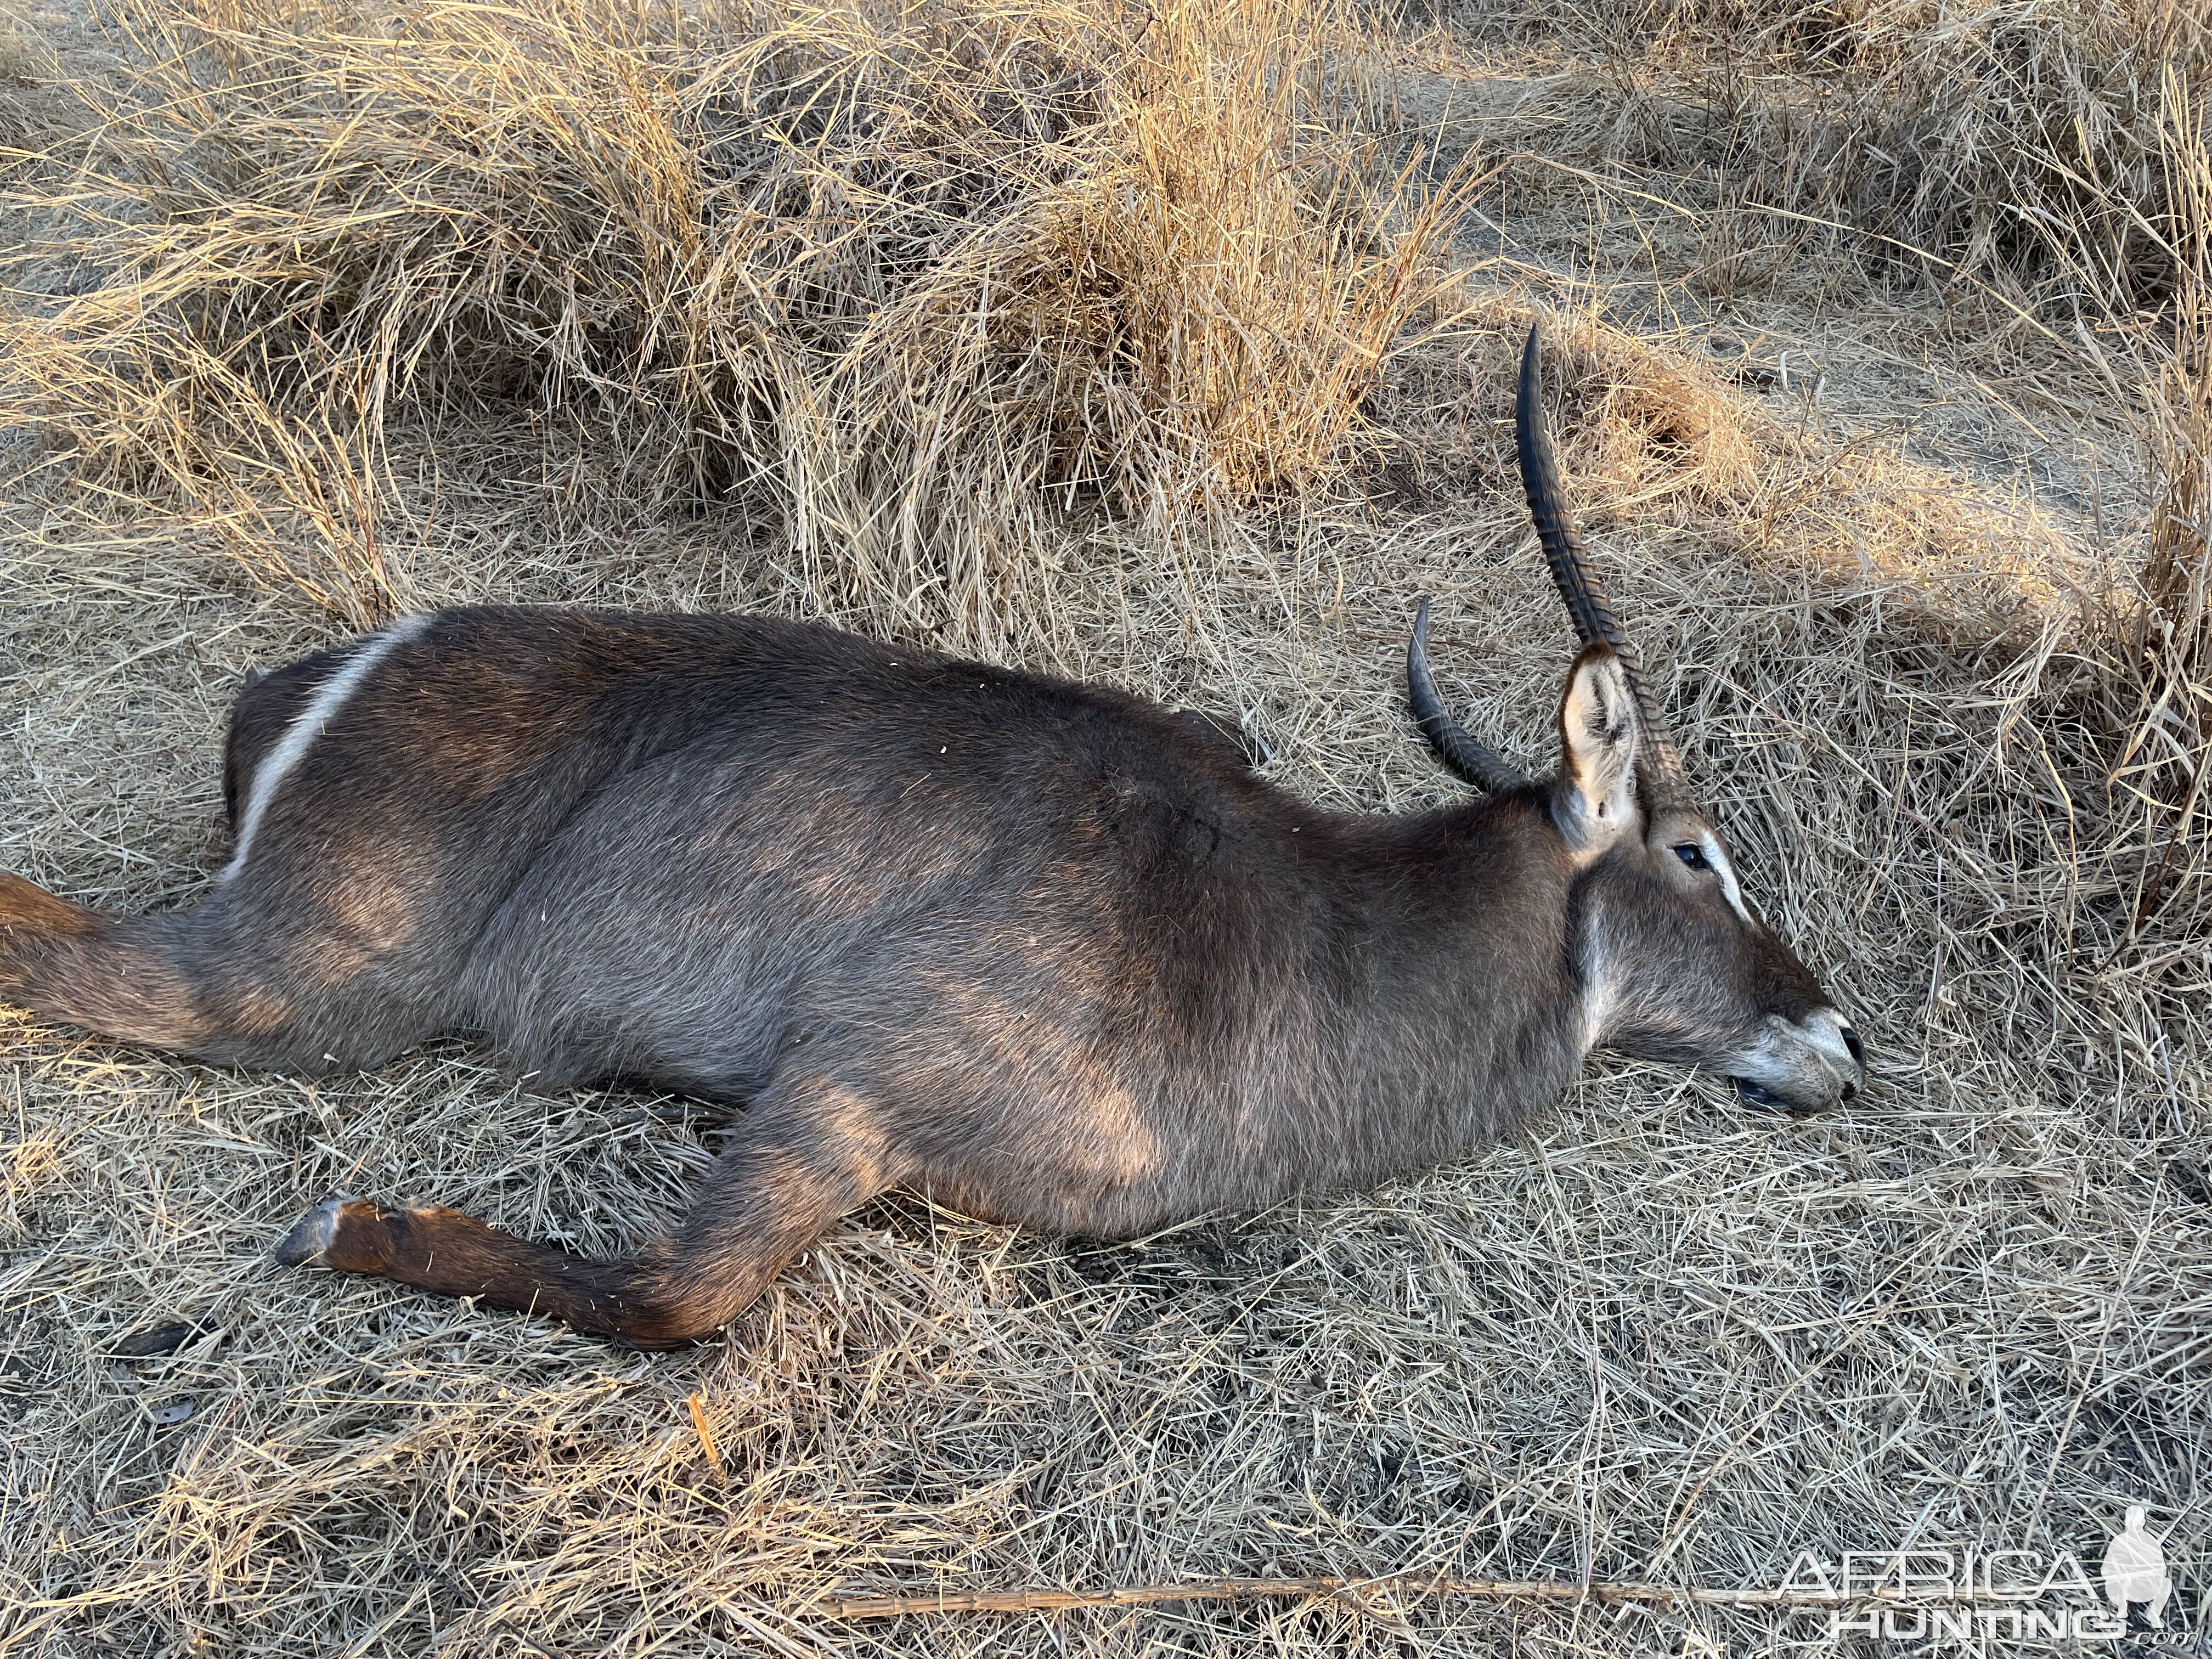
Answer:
(770, 1196)
(229, 981)
(29, 912)
(65, 962)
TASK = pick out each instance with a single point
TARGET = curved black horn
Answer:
(1479, 766)
(1563, 552)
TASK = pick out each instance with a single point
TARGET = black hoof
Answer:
(317, 1229)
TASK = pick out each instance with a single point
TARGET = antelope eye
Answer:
(1692, 855)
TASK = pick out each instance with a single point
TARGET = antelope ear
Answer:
(1597, 742)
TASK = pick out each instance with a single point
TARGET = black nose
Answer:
(1858, 1049)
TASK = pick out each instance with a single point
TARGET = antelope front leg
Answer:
(784, 1179)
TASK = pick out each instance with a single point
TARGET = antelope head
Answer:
(1676, 965)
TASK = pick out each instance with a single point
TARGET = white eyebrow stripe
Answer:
(307, 725)
(1719, 860)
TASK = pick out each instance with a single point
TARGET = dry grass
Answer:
(2165, 640)
(434, 322)
(2016, 143)
(898, 280)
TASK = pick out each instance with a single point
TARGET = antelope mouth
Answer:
(1759, 1095)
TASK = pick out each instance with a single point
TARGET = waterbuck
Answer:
(1046, 951)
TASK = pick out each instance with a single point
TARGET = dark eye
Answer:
(1692, 855)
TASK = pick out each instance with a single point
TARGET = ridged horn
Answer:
(1480, 766)
(1661, 762)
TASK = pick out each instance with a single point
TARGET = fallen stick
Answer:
(1410, 1585)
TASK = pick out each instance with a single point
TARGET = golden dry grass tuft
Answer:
(2017, 143)
(1139, 347)
(901, 280)
(2165, 634)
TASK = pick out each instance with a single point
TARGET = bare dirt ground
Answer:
(1872, 533)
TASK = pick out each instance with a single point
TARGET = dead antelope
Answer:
(1044, 950)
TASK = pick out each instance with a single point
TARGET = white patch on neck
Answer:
(307, 725)
(1599, 995)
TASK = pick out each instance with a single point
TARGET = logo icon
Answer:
(2134, 1570)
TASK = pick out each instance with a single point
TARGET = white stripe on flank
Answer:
(307, 726)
